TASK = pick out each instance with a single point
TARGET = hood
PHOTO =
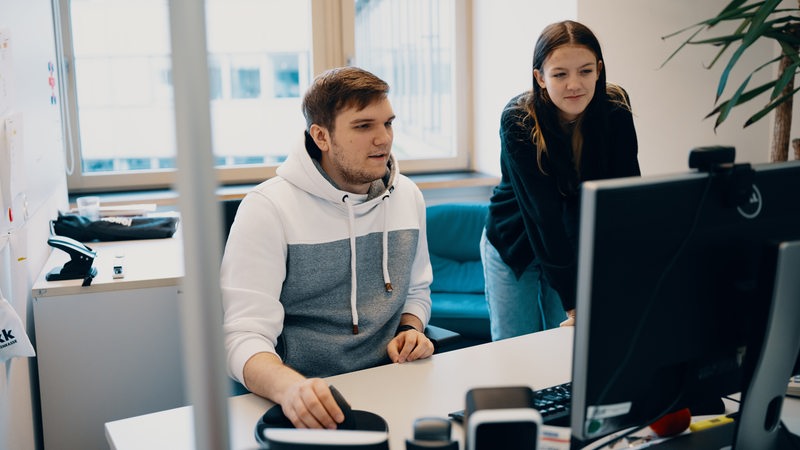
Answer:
(306, 173)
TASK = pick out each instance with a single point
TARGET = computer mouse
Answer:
(274, 426)
(275, 418)
(349, 422)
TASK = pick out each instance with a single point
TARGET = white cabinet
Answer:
(110, 350)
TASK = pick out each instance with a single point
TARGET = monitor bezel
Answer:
(586, 258)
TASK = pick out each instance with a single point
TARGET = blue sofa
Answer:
(457, 293)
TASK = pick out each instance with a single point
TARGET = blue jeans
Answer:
(518, 306)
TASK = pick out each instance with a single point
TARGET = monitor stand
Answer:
(758, 425)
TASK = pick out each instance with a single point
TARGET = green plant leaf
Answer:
(784, 40)
(757, 116)
(744, 98)
(723, 79)
(723, 113)
(738, 96)
(719, 40)
(733, 14)
(790, 50)
(782, 32)
(786, 77)
(760, 17)
(735, 10)
(732, 6)
(787, 18)
(754, 21)
(686, 42)
(756, 29)
(739, 29)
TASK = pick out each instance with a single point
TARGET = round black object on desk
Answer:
(360, 430)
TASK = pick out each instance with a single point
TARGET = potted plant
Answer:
(755, 21)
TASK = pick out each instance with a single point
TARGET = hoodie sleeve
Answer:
(252, 272)
(418, 301)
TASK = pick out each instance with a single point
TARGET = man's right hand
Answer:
(306, 402)
(310, 404)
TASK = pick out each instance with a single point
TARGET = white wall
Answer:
(669, 103)
(504, 33)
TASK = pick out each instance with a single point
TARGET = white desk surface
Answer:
(146, 263)
(400, 393)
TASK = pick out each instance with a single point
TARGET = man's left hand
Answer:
(409, 345)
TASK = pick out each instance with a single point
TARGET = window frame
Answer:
(333, 45)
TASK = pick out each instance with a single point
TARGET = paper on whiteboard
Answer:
(5, 180)
(6, 71)
(12, 171)
(6, 90)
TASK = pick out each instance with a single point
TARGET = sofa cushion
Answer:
(457, 292)
(456, 276)
(454, 230)
(459, 305)
(467, 314)
(454, 233)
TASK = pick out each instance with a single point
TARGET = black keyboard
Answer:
(553, 403)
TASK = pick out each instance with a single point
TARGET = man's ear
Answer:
(321, 137)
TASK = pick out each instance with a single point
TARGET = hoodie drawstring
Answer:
(386, 281)
(353, 275)
(385, 257)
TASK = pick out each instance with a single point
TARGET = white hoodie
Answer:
(290, 283)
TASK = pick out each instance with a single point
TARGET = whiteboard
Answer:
(26, 102)
(30, 104)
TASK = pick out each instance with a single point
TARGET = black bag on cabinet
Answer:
(83, 229)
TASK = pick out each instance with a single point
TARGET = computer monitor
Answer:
(676, 281)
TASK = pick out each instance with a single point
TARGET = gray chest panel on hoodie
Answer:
(317, 338)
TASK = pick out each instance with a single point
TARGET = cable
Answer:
(622, 436)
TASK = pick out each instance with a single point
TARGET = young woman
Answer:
(571, 126)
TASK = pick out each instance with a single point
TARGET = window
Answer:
(410, 44)
(262, 55)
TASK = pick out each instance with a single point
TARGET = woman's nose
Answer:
(572, 82)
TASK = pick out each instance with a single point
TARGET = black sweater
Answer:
(535, 215)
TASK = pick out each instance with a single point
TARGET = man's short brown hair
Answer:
(338, 89)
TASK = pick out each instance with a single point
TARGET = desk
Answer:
(112, 349)
(400, 393)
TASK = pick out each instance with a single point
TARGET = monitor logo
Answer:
(752, 207)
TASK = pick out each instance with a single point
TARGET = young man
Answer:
(326, 267)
